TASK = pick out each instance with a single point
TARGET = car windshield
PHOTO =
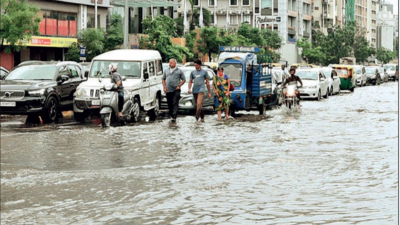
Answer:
(234, 72)
(390, 67)
(381, 70)
(342, 72)
(307, 75)
(370, 70)
(127, 69)
(33, 72)
(327, 72)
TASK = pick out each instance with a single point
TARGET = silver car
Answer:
(361, 75)
(187, 100)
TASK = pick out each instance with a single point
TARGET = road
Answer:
(331, 162)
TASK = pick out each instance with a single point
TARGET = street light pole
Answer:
(126, 23)
(95, 14)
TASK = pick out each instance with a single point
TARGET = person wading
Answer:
(197, 78)
(172, 81)
(221, 89)
(116, 79)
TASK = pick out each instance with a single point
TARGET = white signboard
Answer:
(83, 15)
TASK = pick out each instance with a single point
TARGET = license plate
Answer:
(95, 102)
(8, 104)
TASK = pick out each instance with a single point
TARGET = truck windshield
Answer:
(127, 69)
(234, 71)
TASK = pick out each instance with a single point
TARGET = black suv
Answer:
(41, 88)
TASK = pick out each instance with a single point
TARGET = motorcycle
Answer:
(291, 99)
(109, 107)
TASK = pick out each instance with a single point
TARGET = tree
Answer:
(92, 39)
(114, 34)
(190, 44)
(211, 38)
(384, 55)
(251, 34)
(160, 31)
(19, 21)
(206, 17)
(309, 53)
(272, 39)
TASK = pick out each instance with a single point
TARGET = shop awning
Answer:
(148, 3)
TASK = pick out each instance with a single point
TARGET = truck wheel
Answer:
(261, 109)
(80, 117)
(135, 114)
(156, 111)
(51, 110)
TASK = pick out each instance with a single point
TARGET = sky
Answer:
(395, 5)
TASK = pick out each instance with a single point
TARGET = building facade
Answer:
(386, 29)
(61, 20)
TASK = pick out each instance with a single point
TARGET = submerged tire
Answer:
(106, 119)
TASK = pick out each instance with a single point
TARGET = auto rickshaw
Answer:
(347, 77)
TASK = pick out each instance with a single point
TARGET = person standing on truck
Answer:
(293, 79)
(172, 81)
(197, 78)
(116, 79)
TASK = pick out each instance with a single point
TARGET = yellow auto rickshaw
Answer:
(347, 77)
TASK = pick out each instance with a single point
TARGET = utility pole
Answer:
(95, 14)
(126, 24)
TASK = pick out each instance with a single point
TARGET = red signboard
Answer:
(72, 28)
(41, 41)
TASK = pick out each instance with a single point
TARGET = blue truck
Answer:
(250, 73)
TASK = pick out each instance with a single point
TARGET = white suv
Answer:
(143, 72)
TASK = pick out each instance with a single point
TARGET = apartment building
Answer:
(325, 15)
(60, 24)
(386, 30)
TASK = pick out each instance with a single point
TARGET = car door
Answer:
(145, 89)
(206, 100)
(76, 77)
(65, 87)
(323, 83)
(336, 81)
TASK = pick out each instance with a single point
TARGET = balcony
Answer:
(292, 30)
(306, 34)
(292, 13)
(307, 17)
(292, 40)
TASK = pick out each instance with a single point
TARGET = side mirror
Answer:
(322, 79)
(146, 75)
(86, 74)
(63, 79)
(123, 78)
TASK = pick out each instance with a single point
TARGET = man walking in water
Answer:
(172, 81)
(198, 77)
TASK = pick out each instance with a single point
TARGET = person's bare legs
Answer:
(227, 113)
(219, 115)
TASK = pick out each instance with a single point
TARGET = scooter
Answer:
(109, 107)
(291, 99)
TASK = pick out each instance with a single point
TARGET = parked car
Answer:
(187, 100)
(3, 72)
(391, 71)
(315, 83)
(361, 76)
(43, 88)
(143, 71)
(333, 79)
(373, 76)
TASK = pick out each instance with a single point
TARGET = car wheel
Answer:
(319, 95)
(135, 113)
(51, 110)
(331, 91)
(156, 111)
(80, 117)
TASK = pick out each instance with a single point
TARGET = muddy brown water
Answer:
(330, 162)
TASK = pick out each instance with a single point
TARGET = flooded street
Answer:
(332, 162)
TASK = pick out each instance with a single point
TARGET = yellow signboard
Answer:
(55, 42)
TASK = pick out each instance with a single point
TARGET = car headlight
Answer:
(188, 104)
(81, 92)
(37, 93)
(312, 87)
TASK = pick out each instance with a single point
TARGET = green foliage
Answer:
(250, 35)
(190, 44)
(384, 55)
(272, 39)
(73, 53)
(180, 29)
(93, 39)
(206, 17)
(18, 22)
(160, 31)
(211, 38)
(114, 35)
(310, 54)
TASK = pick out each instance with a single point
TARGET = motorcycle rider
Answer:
(293, 79)
(116, 79)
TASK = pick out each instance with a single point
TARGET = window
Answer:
(56, 23)
(91, 21)
(99, 69)
(246, 2)
(316, 8)
(196, 3)
(144, 69)
(246, 18)
(64, 70)
(233, 2)
(159, 67)
(233, 19)
(235, 73)
(212, 17)
(211, 2)
(73, 72)
(151, 69)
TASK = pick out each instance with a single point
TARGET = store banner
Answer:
(55, 42)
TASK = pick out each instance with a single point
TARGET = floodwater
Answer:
(330, 162)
